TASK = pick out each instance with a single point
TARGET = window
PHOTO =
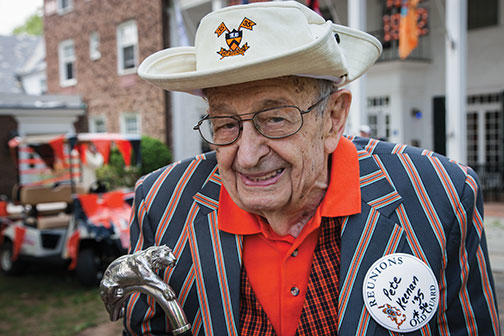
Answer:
(127, 47)
(378, 109)
(97, 124)
(43, 85)
(65, 6)
(130, 123)
(493, 137)
(66, 54)
(472, 138)
(485, 135)
(482, 13)
(94, 46)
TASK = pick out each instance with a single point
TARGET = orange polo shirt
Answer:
(278, 267)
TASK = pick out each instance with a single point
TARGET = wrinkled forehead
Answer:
(287, 89)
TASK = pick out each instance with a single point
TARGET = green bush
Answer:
(115, 174)
(155, 154)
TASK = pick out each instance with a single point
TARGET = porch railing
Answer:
(391, 48)
(491, 180)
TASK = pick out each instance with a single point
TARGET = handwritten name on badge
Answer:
(400, 292)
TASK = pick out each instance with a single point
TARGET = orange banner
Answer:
(103, 147)
(19, 234)
(408, 31)
(124, 147)
(73, 249)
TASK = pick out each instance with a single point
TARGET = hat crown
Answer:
(267, 30)
(262, 40)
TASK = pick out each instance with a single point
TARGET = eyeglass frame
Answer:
(238, 118)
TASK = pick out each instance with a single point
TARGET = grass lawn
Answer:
(48, 300)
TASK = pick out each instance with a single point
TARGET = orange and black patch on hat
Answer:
(234, 38)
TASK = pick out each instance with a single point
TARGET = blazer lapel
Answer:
(217, 263)
(365, 238)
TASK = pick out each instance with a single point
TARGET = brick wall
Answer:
(8, 168)
(103, 90)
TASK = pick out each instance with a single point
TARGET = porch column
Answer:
(358, 114)
(456, 82)
(185, 108)
(216, 4)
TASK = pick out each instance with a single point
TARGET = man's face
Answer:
(275, 175)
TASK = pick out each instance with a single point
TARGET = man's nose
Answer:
(251, 146)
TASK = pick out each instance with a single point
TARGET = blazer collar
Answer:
(377, 189)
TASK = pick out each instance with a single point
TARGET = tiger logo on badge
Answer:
(401, 292)
(234, 38)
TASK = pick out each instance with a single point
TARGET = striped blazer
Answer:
(413, 201)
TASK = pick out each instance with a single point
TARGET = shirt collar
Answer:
(343, 197)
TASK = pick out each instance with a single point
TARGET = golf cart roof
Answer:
(81, 138)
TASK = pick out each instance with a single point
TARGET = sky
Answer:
(14, 13)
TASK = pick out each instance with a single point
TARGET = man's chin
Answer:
(260, 205)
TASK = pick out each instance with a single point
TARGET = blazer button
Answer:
(294, 291)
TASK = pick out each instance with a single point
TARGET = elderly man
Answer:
(289, 227)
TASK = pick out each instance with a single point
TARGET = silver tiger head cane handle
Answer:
(137, 273)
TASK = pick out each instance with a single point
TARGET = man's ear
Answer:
(336, 117)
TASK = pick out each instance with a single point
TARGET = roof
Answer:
(35, 62)
(20, 101)
(16, 50)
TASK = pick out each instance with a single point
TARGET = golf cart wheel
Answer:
(88, 269)
(8, 266)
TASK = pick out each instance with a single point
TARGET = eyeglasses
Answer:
(273, 123)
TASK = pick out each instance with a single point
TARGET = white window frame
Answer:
(63, 10)
(43, 85)
(94, 46)
(63, 60)
(121, 44)
(123, 123)
(92, 124)
(378, 116)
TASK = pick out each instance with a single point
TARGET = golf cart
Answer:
(53, 215)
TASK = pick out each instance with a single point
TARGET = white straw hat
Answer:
(262, 40)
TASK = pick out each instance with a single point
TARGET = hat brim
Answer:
(174, 69)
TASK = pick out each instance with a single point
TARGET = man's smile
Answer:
(261, 179)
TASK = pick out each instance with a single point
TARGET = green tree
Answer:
(34, 25)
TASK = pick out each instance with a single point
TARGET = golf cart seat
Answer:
(33, 195)
(60, 220)
(48, 200)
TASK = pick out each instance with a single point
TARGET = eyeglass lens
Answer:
(272, 123)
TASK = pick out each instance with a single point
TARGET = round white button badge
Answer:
(400, 292)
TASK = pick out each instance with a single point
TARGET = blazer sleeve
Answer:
(142, 316)
(468, 305)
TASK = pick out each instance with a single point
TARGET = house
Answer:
(24, 109)
(94, 48)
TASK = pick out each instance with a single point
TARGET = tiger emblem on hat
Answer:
(234, 38)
